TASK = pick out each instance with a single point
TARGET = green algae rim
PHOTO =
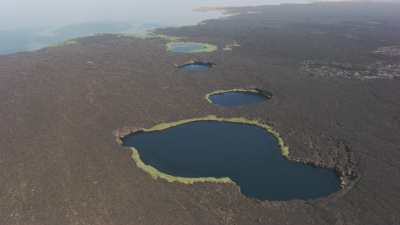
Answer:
(156, 174)
(243, 90)
(205, 46)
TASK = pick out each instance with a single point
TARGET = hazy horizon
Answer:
(28, 26)
(17, 14)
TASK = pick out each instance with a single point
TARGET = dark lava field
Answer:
(62, 110)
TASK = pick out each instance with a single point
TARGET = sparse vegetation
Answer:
(151, 35)
(390, 51)
(377, 70)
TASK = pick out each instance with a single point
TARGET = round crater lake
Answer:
(236, 98)
(247, 154)
(190, 47)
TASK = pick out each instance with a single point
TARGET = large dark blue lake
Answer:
(247, 154)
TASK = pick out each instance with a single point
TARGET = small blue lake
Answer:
(196, 66)
(247, 154)
(237, 98)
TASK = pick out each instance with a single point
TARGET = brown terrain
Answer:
(61, 107)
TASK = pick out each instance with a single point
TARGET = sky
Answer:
(43, 13)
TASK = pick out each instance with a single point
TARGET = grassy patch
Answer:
(205, 47)
(166, 37)
(150, 35)
(65, 43)
(156, 174)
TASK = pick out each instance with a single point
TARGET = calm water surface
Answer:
(249, 155)
(237, 98)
